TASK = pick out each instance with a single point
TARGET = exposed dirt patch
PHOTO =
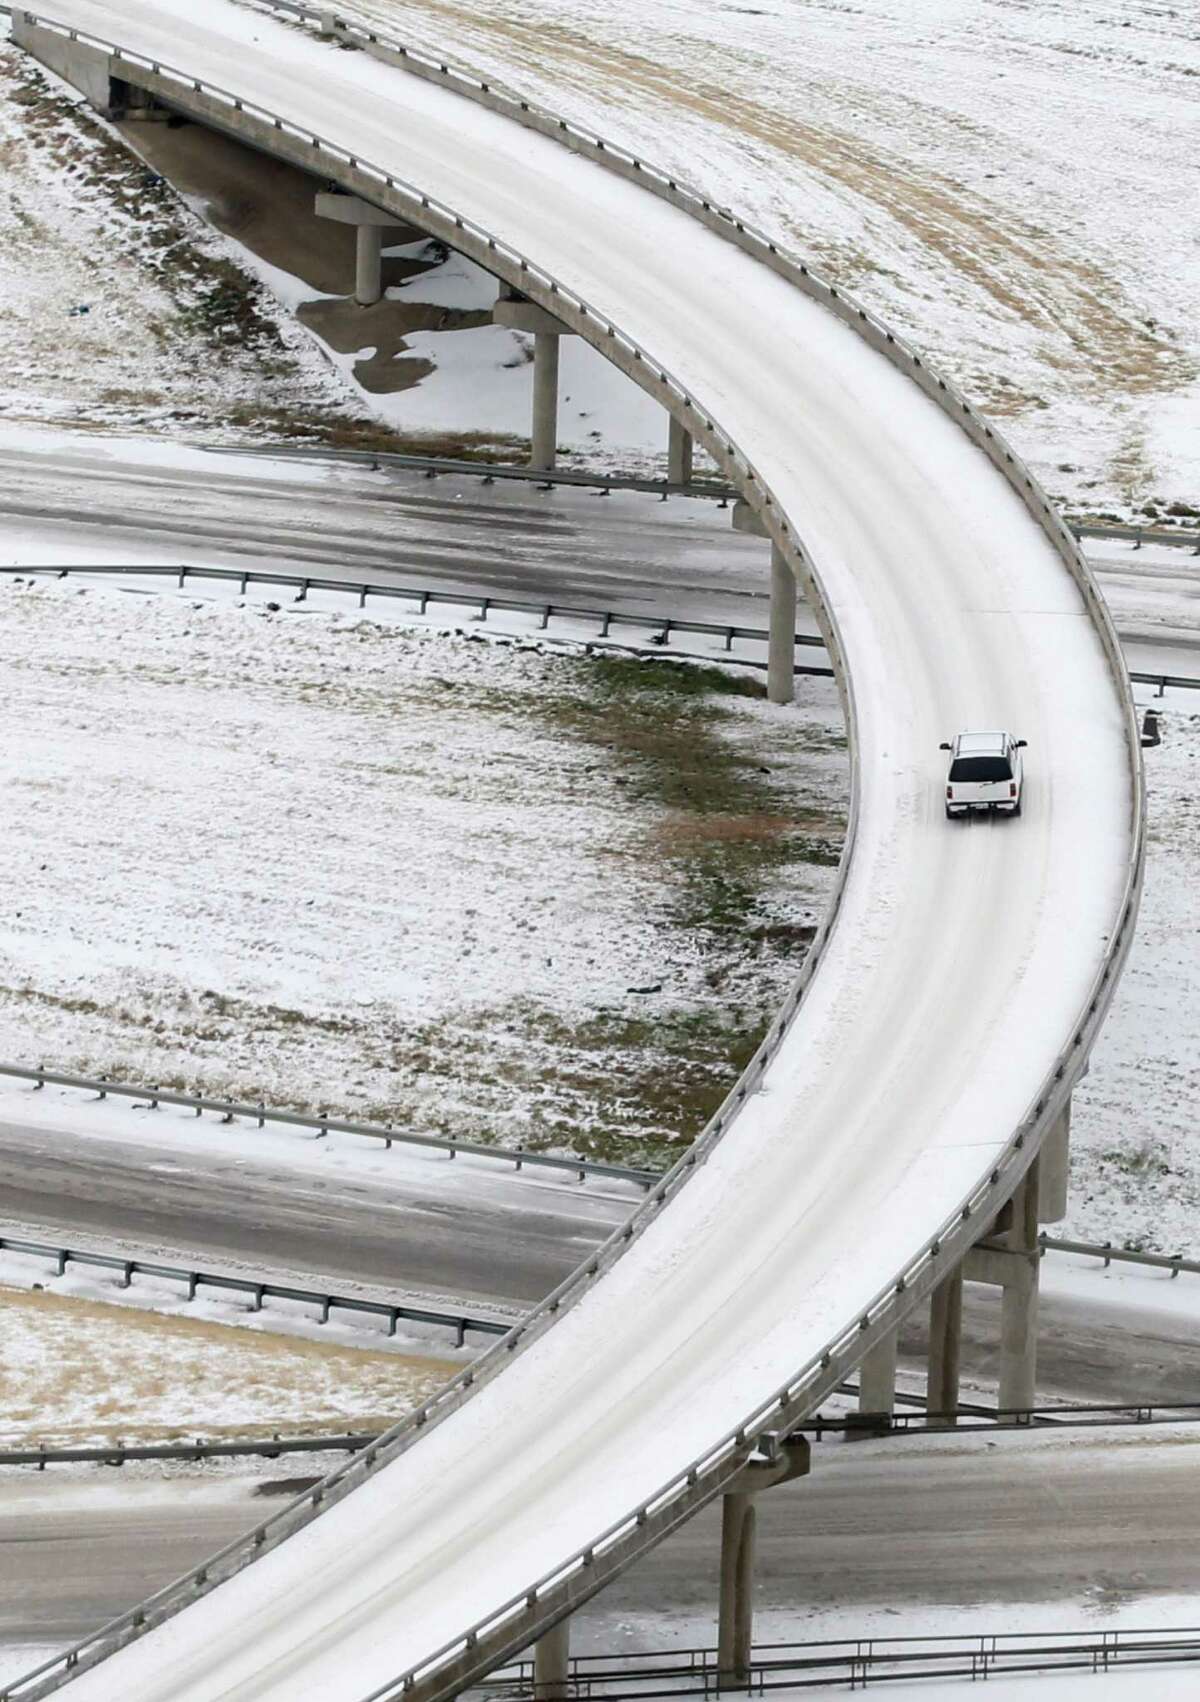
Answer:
(80, 1370)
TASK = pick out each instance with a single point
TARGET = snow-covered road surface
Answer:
(959, 967)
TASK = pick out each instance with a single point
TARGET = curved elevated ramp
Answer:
(967, 965)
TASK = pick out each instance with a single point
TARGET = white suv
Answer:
(985, 773)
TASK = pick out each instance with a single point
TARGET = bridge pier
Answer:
(1054, 1163)
(520, 314)
(680, 452)
(369, 224)
(877, 1381)
(781, 624)
(735, 1624)
(552, 1663)
(1008, 1259)
(781, 643)
(945, 1347)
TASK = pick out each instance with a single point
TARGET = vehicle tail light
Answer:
(949, 791)
(1012, 788)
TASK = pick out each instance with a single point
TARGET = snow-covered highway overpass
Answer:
(950, 1001)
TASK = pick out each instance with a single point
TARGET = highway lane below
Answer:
(368, 1216)
(628, 552)
(349, 1213)
(1079, 1522)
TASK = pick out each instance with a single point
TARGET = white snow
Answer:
(917, 151)
(340, 898)
(956, 971)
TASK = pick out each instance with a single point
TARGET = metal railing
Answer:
(260, 1290)
(489, 471)
(1108, 1254)
(231, 1111)
(857, 1662)
(967, 1417)
(659, 626)
(519, 1620)
(119, 1453)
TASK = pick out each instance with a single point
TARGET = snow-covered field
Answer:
(121, 309)
(79, 1371)
(1010, 184)
(469, 888)
(1136, 1151)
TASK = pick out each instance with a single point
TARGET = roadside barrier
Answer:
(856, 1662)
(967, 1417)
(460, 1323)
(660, 628)
(122, 1453)
(489, 471)
(231, 1111)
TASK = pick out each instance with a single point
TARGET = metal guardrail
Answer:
(660, 627)
(519, 1620)
(857, 1662)
(1108, 1254)
(972, 1415)
(232, 1111)
(489, 471)
(968, 1417)
(1139, 535)
(122, 1453)
(459, 1321)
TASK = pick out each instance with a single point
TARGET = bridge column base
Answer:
(945, 1348)
(1054, 1162)
(519, 314)
(552, 1663)
(781, 644)
(877, 1384)
(680, 451)
(735, 1632)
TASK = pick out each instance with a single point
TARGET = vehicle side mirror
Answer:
(945, 747)
(1022, 744)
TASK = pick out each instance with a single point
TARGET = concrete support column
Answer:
(736, 1628)
(781, 646)
(945, 1345)
(1019, 1298)
(545, 401)
(679, 453)
(552, 1663)
(1054, 1167)
(368, 269)
(513, 310)
(877, 1379)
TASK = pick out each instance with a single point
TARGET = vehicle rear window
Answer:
(980, 768)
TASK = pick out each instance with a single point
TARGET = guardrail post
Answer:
(552, 1663)
(781, 643)
(945, 1347)
(680, 453)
